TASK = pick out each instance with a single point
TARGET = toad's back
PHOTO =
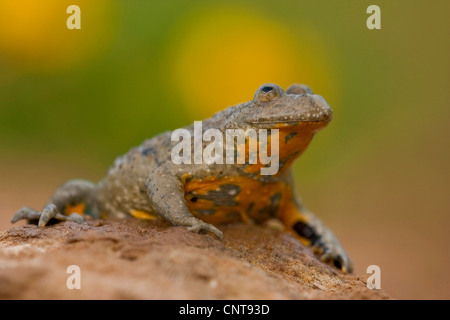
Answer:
(123, 192)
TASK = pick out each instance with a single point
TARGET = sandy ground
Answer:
(136, 259)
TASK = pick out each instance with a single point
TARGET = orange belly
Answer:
(230, 199)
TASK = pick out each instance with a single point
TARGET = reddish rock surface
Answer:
(135, 259)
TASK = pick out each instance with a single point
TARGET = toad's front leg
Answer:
(166, 192)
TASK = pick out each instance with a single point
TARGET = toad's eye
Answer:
(268, 92)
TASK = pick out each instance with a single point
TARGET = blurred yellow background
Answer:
(73, 100)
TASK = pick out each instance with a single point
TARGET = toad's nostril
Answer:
(266, 89)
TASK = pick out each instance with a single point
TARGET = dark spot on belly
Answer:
(271, 209)
(305, 231)
(234, 215)
(206, 212)
(231, 189)
(275, 199)
(289, 136)
(250, 208)
(222, 197)
(273, 205)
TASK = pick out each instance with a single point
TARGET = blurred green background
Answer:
(73, 100)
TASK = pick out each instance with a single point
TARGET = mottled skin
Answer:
(145, 183)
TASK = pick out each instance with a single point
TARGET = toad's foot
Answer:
(200, 226)
(330, 251)
(49, 212)
(323, 243)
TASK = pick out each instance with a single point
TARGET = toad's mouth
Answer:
(292, 122)
(277, 122)
(322, 116)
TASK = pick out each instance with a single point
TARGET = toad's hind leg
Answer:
(69, 202)
(312, 232)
